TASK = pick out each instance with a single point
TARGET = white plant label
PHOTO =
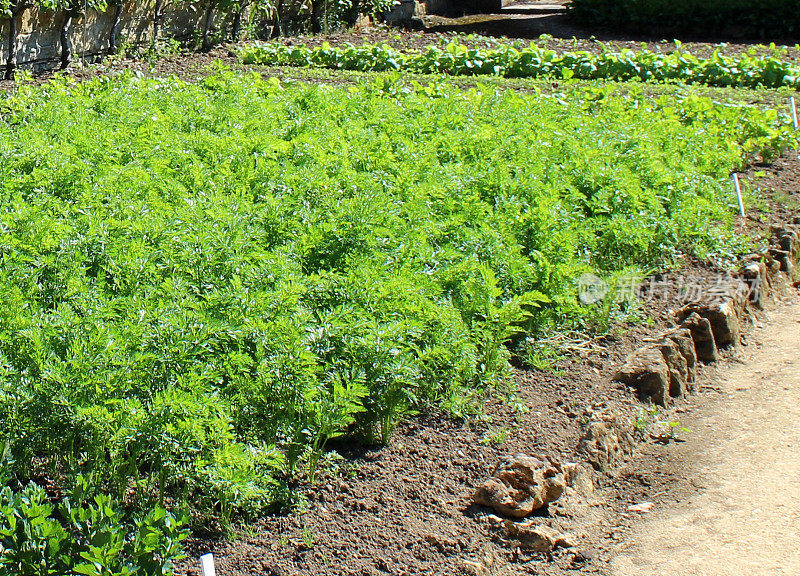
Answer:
(738, 193)
(207, 563)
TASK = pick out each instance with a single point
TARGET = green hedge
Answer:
(780, 19)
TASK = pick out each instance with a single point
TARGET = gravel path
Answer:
(747, 450)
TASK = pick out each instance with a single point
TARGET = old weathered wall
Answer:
(38, 42)
(38, 31)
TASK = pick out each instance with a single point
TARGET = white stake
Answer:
(207, 563)
(794, 113)
(738, 194)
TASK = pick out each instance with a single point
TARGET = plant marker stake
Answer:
(207, 563)
(794, 113)
(738, 196)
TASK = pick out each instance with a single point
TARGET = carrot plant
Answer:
(205, 282)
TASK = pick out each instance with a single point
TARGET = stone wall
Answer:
(38, 43)
(38, 31)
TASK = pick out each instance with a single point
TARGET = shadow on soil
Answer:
(526, 26)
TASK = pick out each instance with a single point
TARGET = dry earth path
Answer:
(746, 451)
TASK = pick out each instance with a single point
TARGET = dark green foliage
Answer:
(774, 20)
(201, 283)
(85, 535)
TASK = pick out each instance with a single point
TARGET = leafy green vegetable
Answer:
(87, 535)
(508, 61)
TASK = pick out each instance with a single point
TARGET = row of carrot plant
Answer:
(202, 284)
(211, 279)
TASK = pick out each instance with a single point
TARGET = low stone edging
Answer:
(665, 369)
(659, 372)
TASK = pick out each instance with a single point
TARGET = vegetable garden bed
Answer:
(204, 283)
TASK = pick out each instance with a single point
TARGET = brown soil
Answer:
(780, 182)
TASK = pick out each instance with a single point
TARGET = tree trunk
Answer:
(113, 44)
(207, 21)
(277, 30)
(66, 45)
(157, 20)
(316, 20)
(236, 28)
(11, 60)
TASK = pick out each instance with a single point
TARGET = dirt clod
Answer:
(535, 537)
(606, 442)
(648, 372)
(522, 484)
(704, 344)
(678, 367)
(723, 317)
(682, 338)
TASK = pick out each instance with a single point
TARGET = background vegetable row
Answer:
(457, 59)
